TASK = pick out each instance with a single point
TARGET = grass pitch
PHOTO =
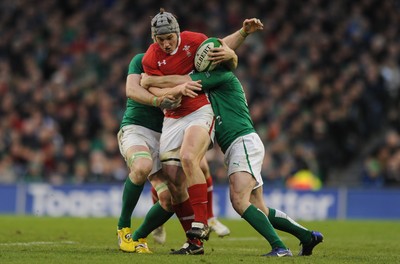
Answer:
(29, 239)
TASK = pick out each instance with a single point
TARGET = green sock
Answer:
(283, 222)
(259, 221)
(155, 217)
(130, 197)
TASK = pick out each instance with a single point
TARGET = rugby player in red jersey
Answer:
(187, 130)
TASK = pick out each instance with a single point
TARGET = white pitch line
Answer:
(242, 238)
(33, 243)
(248, 238)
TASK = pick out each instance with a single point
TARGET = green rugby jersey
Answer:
(228, 101)
(140, 114)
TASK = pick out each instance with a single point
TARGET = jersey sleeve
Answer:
(135, 66)
(212, 79)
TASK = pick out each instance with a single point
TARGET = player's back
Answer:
(228, 100)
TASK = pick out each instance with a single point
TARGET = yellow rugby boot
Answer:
(125, 241)
(141, 246)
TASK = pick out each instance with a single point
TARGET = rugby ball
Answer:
(201, 61)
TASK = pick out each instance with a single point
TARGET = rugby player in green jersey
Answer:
(244, 153)
(138, 140)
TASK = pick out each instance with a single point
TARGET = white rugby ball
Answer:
(201, 61)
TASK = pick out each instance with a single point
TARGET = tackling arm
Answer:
(176, 87)
(225, 53)
(250, 26)
(209, 80)
(137, 93)
(164, 81)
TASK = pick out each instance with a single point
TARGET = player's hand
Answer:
(145, 80)
(189, 88)
(169, 102)
(221, 54)
(252, 25)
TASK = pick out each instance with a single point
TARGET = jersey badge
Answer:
(187, 49)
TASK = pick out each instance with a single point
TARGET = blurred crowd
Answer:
(322, 81)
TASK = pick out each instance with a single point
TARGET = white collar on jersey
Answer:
(177, 46)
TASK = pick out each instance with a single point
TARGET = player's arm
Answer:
(223, 54)
(164, 81)
(209, 80)
(133, 90)
(249, 26)
(137, 93)
(185, 87)
(213, 79)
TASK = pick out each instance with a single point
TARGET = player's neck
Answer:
(177, 46)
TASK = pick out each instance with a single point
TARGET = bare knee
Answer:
(165, 200)
(257, 200)
(178, 192)
(240, 188)
(238, 203)
(189, 160)
(140, 170)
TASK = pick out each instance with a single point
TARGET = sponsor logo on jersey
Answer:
(161, 63)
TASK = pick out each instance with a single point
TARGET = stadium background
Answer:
(322, 82)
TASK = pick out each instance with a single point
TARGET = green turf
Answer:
(93, 240)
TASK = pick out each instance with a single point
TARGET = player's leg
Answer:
(194, 147)
(244, 160)
(240, 186)
(140, 166)
(170, 143)
(181, 203)
(159, 234)
(139, 161)
(215, 225)
(281, 221)
(179, 195)
(154, 195)
(158, 214)
(196, 140)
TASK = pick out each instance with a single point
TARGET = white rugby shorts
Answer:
(246, 154)
(174, 128)
(134, 135)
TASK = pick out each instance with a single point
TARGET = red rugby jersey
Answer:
(157, 62)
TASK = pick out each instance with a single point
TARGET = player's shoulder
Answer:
(152, 49)
(192, 33)
(136, 66)
(137, 58)
(151, 53)
(192, 36)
